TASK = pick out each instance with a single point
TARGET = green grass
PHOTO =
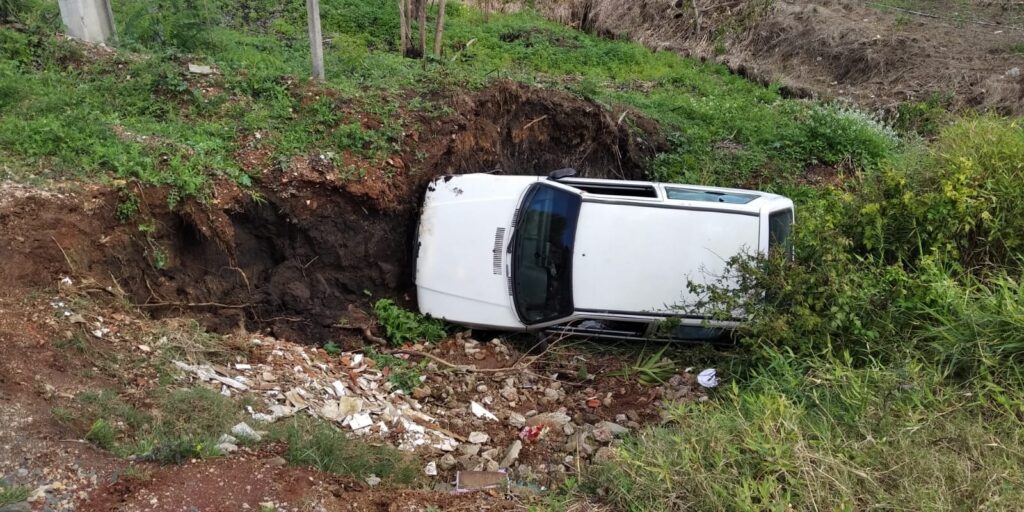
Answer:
(16, 494)
(403, 326)
(322, 446)
(69, 115)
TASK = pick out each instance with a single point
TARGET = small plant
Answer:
(1017, 48)
(134, 473)
(649, 370)
(322, 446)
(401, 374)
(102, 434)
(11, 495)
(128, 207)
(402, 326)
(332, 348)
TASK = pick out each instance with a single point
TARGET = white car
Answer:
(600, 257)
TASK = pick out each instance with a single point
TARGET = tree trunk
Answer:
(439, 32)
(403, 21)
(422, 12)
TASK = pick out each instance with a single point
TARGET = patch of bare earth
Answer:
(865, 52)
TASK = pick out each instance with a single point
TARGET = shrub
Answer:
(402, 326)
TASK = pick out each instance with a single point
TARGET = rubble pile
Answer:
(478, 407)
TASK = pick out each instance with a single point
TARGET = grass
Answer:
(138, 114)
(402, 326)
(322, 446)
(15, 494)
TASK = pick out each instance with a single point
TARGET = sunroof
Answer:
(708, 196)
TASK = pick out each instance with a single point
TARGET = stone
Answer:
(616, 429)
(478, 437)
(447, 462)
(491, 466)
(551, 393)
(516, 420)
(577, 443)
(372, 480)
(430, 469)
(511, 454)
(551, 419)
(621, 418)
(490, 454)
(509, 394)
(244, 431)
(197, 69)
(227, 447)
(469, 449)
(227, 438)
(471, 463)
(421, 392)
(482, 388)
(276, 462)
(602, 435)
(22, 472)
(569, 429)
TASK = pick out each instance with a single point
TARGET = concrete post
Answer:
(88, 20)
(316, 42)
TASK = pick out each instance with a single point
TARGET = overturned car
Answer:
(603, 258)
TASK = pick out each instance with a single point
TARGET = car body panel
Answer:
(640, 259)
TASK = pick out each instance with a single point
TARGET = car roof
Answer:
(681, 195)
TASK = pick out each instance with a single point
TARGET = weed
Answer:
(15, 494)
(401, 374)
(332, 348)
(135, 473)
(1017, 48)
(101, 434)
(322, 446)
(649, 370)
(402, 326)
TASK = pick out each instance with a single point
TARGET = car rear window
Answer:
(780, 226)
(708, 196)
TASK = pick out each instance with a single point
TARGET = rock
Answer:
(511, 454)
(478, 437)
(491, 466)
(227, 438)
(551, 394)
(490, 454)
(469, 449)
(227, 447)
(604, 454)
(275, 462)
(421, 392)
(602, 435)
(551, 419)
(569, 429)
(516, 420)
(22, 472)
(430, 469)
(616, 429)
(509, 394)
(482, 388)
(470, 463)
(621, 418)
(21, 506)
(372, 480)
(1013, 72)
(577, 443)
(447, 461)
(244, 431)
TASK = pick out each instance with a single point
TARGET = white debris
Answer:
(244, 431)
(243, 366)
(480, 412)
(360, 421)
(197, 69)
(430, 469)
(478, 437)
(708, 378)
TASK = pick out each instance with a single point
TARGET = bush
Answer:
(402, 326)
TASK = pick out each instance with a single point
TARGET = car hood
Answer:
(464, 233)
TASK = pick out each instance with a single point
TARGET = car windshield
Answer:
(542, 254)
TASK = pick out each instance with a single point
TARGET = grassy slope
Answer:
(880, 372)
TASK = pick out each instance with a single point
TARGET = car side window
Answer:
(707, 196)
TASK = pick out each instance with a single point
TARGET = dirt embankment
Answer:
(865, 52)
(309, 242)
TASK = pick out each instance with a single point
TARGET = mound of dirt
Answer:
(872, 55)
(293, 255)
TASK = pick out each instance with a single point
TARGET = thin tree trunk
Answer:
(404, 25)
(423, 27)
(439, 32)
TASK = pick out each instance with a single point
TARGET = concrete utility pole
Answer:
(316, 42)
(88, 20)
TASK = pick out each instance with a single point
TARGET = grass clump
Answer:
(13, 494)
(322, 446)
(400, 373)
(403, 326)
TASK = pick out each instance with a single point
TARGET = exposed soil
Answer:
(865, 52)
(314, 241)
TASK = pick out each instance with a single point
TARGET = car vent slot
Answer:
(515, 217)
(499, 246)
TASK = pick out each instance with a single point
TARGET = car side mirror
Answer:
(568, 172)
